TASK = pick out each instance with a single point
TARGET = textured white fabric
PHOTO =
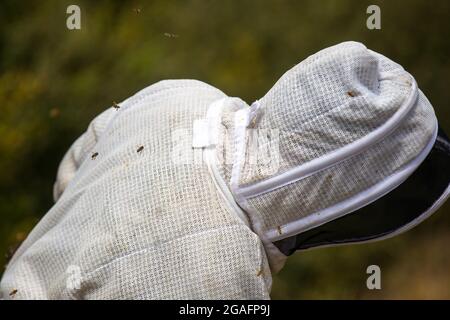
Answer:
(140, 214)
(141, 225)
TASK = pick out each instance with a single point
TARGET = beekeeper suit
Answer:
(181, 192)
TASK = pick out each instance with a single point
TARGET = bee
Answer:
(351, 94)
(260, 272)
(116, 106)
(139, 150)
(137, 10)
(279, 230)
(13, 293)
(94, 155)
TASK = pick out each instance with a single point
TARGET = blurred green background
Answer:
(54, 81)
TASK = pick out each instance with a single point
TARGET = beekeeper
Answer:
(181, 192)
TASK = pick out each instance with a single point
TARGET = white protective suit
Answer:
(181, 192)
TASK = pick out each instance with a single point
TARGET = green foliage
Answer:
(54, 81)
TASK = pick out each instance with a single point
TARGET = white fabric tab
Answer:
(205, 131)
(200, 134)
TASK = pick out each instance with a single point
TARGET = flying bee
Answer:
(140, 149)
(279, 230)
(137, 10)
(94, 155)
